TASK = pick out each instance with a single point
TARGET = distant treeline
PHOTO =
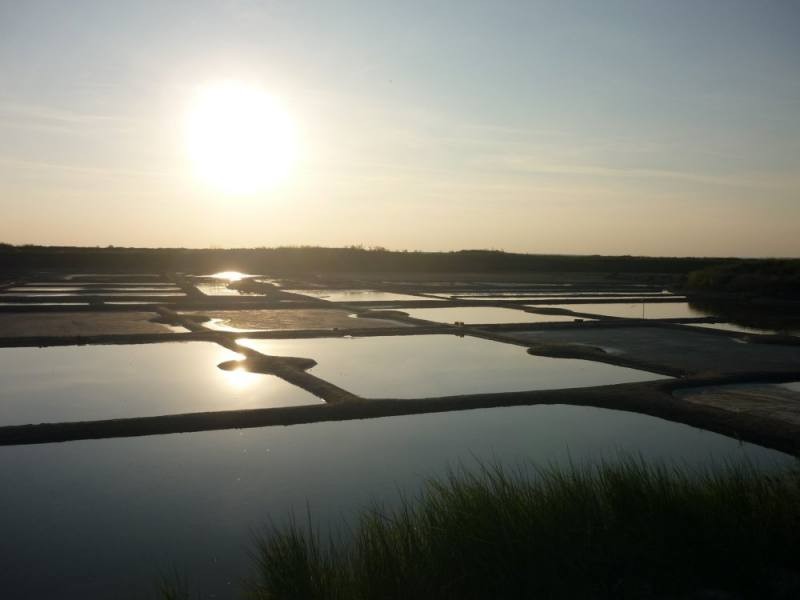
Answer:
(768, 277)
(303, 260)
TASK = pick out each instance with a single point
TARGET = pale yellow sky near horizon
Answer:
(535, 127)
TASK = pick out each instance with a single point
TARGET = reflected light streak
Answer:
(230, 275)
(224, 325)
(240, 378)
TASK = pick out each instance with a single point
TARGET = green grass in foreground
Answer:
(612, 531)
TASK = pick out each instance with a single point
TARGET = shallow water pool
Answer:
(102, 519)
(77, 295)
(482, 315)
(637, 310)
(357, 295)
(441, 365)
(114, 289)
(217, 288)
(44, 303)
(744, 329)
(83, 383)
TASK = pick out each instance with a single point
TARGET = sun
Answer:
(239, 138)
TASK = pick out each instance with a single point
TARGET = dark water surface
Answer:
(101, 518)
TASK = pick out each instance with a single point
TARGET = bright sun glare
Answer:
(230, 275)
(240, 378)
(239, 138)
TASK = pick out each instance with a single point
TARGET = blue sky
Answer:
(570, 127)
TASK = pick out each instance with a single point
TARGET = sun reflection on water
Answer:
(230, 275)
(240, 378)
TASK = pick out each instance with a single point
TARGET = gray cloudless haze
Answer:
(576, 127)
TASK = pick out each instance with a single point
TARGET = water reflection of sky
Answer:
(240, 378)
(224, 325)
(441, 365)
(229, 276)
(482, 315)
(78, 383)
(357, 295)
(114, 289)
(216, 288)
(81, 295)
(637, 310)
(745, 329)
(102, 518)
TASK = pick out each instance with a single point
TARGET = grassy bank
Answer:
(613, 531)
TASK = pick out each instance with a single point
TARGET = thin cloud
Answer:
(44, 118)
(41, 166)
(527, 164)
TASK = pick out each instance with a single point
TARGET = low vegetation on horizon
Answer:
(764, 277)
(310, 259)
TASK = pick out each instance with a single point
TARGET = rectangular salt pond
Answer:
(132, 286)
(217, 289)
(43, 303)
(30, 288)
(515, 295)
(357, 295)
(743, 329)
(482, 315)
(84, 290)
(118, 294)
(79, 295)
(441, 365)
(92, 276)
(83, 383)
(101, 519)
(655, 310)
(555, 297)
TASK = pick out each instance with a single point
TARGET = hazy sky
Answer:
(646, 127)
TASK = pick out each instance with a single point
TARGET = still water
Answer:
(87, 290)
(229, 275)
(116, 284)
(224, 325)
(102, 518)
(744, 329)
(555, 298)
(357, 295)
(482, 315)
(216, 288)
(79, 295)
(42, 289)
(515, 295)
(44, 303)
(82, 383)
(441, 365)
(638, 310)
